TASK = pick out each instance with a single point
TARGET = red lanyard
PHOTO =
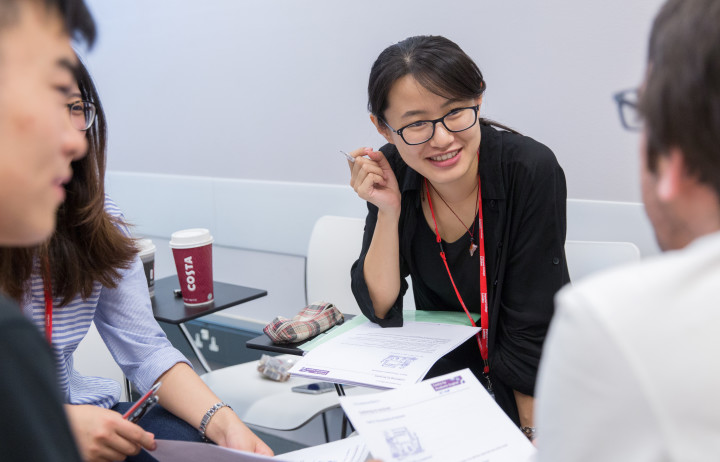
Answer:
(48, 300)
(482, 336)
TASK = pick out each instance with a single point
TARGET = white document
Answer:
(445, 419)
(352, 449)
(182, 451)
(370, 355)
(348, 450)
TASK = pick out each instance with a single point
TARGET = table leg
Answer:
(198, 353)
(325, 428)
(344, 433)
(345, 422)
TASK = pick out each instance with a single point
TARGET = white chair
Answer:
(586, 257)
(334, 245)
(93, 358)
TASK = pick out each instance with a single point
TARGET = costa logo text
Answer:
(189, 274)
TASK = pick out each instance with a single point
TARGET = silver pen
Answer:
(348, 156)
(351, 158)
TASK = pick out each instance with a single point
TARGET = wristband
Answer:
(529, 432)
(208, 415)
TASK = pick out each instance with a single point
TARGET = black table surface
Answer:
(171, 309)
(263, 342)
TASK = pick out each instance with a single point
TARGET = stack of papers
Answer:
(190, 451)
(347, 450)
(352, 449)
(445, 419)
(372, 356)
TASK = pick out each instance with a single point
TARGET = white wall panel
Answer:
(271, 90)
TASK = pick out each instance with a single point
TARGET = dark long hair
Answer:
(437, 63)
(87, 245)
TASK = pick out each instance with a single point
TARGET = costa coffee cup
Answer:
(192, 249)
(146, 252)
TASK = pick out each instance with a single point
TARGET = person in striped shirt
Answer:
(91, 268)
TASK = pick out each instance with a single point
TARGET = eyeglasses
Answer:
(419, 132)
(628, 110)
(82, 114)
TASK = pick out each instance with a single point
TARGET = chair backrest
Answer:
(335, 244)
(93, 358)
(586, 257)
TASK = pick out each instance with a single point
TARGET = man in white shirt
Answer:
(630, 369)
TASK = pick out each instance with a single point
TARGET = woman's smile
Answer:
(442, 158)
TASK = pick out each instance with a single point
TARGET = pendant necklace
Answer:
(473, 245)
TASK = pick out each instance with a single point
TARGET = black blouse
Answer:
(523, 200)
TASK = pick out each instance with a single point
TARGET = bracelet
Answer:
(208, 415)
(529, 432)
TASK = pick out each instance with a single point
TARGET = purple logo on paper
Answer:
(314, 371)
(448, 383)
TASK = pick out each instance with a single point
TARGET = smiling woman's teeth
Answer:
(447, 156)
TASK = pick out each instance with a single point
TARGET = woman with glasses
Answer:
(473, 211)
(90, 271)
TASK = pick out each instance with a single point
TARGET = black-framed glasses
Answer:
(627, 101)
(457, 120)
(82, 114)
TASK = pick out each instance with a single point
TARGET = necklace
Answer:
(473, 245)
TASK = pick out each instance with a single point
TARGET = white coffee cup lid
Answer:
(193, 237)
(145, 246)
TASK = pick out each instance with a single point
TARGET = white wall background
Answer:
(271, 90)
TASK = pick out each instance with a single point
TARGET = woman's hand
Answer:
(374, 181)
(227, 430)
(103, 435)
(185, 395)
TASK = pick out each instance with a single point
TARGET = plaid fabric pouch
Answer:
(312, 320)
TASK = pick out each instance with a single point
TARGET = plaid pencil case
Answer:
(312, 320)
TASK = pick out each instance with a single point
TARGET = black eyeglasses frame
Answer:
(399, 131)
(627, 100)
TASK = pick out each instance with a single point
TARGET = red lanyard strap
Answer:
(47, 286)
(482, 336)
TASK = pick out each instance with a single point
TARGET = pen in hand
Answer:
(350, 158)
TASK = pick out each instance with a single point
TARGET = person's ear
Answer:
(382, 129)
(672, 175)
